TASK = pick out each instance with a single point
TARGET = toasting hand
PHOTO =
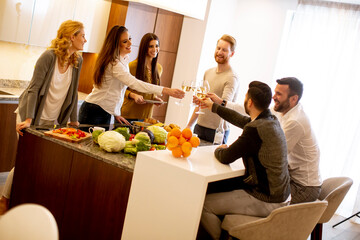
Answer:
(206, 103)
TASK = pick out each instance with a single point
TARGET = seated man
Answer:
(262, 146)
(303, 150)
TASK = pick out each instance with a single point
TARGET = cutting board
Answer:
(66, 137)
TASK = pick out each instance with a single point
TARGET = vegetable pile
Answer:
(71, 132)
(150, 139)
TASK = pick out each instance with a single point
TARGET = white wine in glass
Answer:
(186, 86)
(201, 92)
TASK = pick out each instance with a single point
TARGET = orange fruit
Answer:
(170, 147)
(176, 132)
(172, 142)
(168, 135)
(185, 155)
(186, 133)
(181, 140)
(186, 147)
(195, 141)
(176, 152)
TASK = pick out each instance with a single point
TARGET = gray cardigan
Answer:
(32, 100)
(262, 146)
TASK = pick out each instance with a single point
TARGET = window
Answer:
(321, 47)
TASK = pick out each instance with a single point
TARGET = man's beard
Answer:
(282, 107)
(245, 106)
(221, 60)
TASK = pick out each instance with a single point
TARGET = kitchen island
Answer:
(85, 188)
(89, 190)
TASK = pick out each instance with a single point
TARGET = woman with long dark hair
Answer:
(147, 69)
(111, 79)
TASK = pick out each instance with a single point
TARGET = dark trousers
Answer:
(208, 134)
(93, 114)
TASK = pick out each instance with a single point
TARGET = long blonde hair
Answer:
(62, 43)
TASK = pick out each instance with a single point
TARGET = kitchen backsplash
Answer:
(7, 83)
(17, 61)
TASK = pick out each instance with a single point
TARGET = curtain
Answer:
(321, 47)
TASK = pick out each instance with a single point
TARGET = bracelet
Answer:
(223, 103)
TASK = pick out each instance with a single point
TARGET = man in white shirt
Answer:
(303, 150)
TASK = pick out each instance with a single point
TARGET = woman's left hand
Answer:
(120, 119)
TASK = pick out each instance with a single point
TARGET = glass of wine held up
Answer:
(201, 92)
(187, 86)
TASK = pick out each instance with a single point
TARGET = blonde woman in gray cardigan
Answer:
(51, 96)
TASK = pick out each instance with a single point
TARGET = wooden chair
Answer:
(333, 190)
(293, 222)
(28, 222)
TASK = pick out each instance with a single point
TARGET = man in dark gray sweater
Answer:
(262, 146)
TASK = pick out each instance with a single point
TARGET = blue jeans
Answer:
(208, 134)
(93, 114)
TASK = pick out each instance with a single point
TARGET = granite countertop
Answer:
(88, 147)
(10, 90)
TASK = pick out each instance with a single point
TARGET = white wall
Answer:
(186, 67)
(257, 26)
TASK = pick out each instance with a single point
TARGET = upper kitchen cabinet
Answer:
(36, 22)
(94, 14)
(47, 17)
(15, 20)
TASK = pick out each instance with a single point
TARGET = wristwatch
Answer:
(223, 103)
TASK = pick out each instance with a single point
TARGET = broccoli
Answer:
(123, 131)
(130, 150)
(159, 147)
(142, 141)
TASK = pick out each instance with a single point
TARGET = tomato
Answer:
(131, 137)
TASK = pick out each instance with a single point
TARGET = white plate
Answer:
(154, 101)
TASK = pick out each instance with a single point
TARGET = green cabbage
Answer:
(159, 134)
(95, 134)
(123, 131)
(111, 141)
(142, 141)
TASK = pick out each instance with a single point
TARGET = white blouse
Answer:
(117, 78)
(58, 90)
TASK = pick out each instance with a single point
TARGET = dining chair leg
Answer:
(356, 214)
(317, 232)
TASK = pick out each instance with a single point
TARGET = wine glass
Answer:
(201, 92)
(186, 86)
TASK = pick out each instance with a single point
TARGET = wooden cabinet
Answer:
(15, 20)
(8, 136)
(87, 196)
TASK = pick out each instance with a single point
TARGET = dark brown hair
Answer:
(260, 94)
(141, 66)
(108, 53)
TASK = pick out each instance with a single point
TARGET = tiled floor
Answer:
(344, 231)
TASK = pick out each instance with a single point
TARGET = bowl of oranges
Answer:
(181, 143)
